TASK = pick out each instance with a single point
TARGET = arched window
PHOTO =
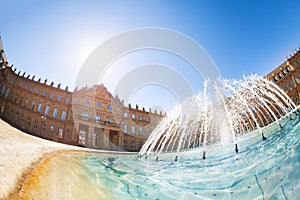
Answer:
(109, 119)
(33, 105)
(84, 115)
(51, 129)
(60, 132)
(26, 103)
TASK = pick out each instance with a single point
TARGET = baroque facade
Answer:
(92, 117)
(287, 76)
(88, 117)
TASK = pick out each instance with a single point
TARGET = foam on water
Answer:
(261, 170)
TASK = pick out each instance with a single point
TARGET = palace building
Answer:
(88, 117)
(287, 76)
(92, 117)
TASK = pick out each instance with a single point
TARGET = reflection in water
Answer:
(261, 170)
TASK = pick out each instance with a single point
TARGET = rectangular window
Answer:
(125, 128)
(44, 93)
(98, 105)
(3, 89)
(97, 118)
(31, 88)
(7, 93)
(67, 100)
(147, 130)
(133, 129)
(40, 107)
(147, 119)
(54, 113)
(141, 117)
(153, 120)
(95, 139)
(37, 91)
(109, 107)
(125, 114)
(140, 130)
(87, 101)
(47, 110)
(63, 115)
(51, 95)
(133, 116)
(58, 98)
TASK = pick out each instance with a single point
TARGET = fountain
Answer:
(226, 109)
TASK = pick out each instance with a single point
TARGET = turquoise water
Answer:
(261, 170)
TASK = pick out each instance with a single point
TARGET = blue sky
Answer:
(53, 38)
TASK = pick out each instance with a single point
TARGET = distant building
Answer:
(287, 76)
(92, 117)
(88, 117)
